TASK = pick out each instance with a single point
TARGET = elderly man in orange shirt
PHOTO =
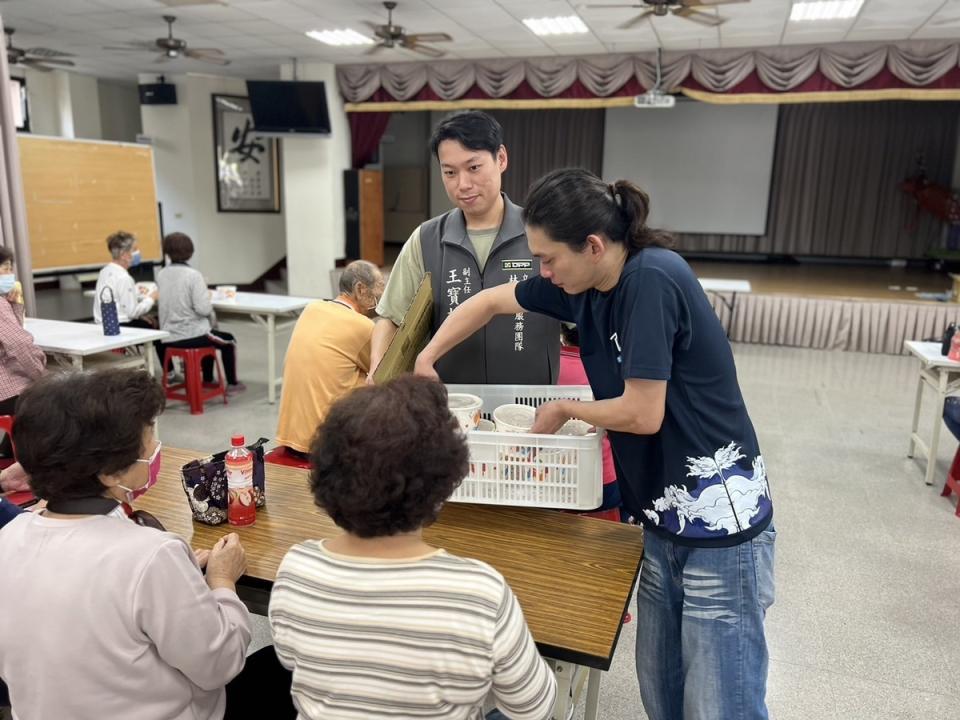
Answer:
(328, 356)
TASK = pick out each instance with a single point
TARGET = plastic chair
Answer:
(281, 456)
(193, 390)
(6, 424)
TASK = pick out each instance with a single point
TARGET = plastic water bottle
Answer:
(241, 504)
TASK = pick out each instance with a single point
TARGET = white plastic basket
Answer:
(524, 469)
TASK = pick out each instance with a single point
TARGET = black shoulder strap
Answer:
(83, 506)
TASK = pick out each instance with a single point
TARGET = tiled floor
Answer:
(868, 582)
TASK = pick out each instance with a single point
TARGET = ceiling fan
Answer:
(37, 58)
(391, 35)
(686, 9)
(170, 47)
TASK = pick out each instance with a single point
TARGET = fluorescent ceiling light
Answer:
(825, 10)
(571, 25)
(340, 37)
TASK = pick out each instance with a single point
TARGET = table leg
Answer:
(149, 356)
(592, 709)
(916, 414)
(563, 707)
(271, 359)
(733, 309)
(937, 423)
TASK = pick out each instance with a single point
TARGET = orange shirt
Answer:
(328, 356)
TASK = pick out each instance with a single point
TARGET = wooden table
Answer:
(943, 376)
(264, 310)
(79, 341)
(573, 576)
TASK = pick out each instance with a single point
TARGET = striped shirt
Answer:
(425, 637)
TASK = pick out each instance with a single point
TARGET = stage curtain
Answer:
(841, 68)
(836, 175)
(540, 142)
(867, 326)
(366, 130)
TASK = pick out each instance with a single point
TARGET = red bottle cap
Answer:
(237, 441)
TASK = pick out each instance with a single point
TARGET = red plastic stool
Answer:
(280, 456)
(953, 480)
(6, 424)
(193, 390)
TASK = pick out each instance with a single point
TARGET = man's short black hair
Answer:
(387, 457)
(473, 129)
(73, 427)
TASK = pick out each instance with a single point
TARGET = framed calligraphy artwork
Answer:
(247, 165)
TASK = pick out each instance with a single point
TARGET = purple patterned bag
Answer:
(205, 483)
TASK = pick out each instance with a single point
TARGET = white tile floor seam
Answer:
(864, 624)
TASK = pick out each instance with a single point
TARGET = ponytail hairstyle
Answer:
(572, 203)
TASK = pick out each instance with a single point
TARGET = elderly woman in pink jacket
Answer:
(21, 361)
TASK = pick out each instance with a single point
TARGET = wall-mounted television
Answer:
(287, 107)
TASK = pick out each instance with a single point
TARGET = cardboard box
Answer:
(411, 336)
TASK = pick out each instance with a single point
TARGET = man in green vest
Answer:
(479, 244)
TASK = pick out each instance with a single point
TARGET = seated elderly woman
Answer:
(21, 361)
(375, 622)
(109, 619)
(186, 311)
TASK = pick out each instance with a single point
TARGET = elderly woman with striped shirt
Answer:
(375, 622)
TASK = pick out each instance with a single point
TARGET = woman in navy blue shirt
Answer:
(665, 387)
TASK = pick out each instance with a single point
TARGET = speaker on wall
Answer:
(363, 215)
(158, 94)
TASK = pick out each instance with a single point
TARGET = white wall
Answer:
(707, 167)
(230, 247)
(42, 100)
(119, 110)
(313, 191)
(62, 104)
(85, 106)
(168, 126)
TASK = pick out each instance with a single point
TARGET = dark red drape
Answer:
(366, 129)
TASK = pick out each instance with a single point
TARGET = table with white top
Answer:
(943, 375)
(271, 312)
(729, 286)
(76, 341)
(725, 285)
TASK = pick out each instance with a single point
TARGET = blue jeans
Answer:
(701, 653)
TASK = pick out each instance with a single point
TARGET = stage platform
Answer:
(839, 307)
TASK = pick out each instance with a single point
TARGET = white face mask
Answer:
(7, 283)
